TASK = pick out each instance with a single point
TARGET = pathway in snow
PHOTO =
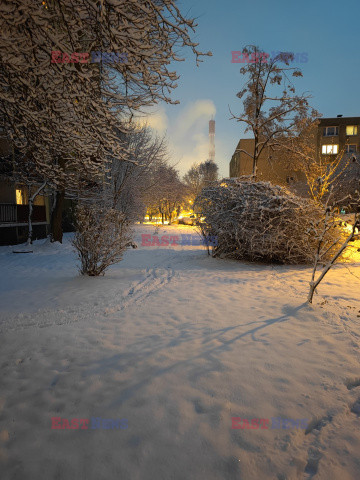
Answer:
(177, 343)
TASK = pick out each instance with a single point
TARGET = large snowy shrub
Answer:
(259, 221)
(102, 235)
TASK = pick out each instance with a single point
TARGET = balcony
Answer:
(15, 215)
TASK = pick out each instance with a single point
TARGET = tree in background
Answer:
(133, 182)
(169, 194)
(208, 171)
(270, 117)
(199, 176)
(193, 181)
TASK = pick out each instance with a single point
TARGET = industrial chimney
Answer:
(212, 140)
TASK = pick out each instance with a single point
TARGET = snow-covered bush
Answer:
(259, 221)
(102, 235)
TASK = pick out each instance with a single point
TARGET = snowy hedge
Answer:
(259, 221)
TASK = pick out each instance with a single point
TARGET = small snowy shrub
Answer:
(259, 221)
(102, 235)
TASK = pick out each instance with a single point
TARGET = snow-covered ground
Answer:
(177, 343)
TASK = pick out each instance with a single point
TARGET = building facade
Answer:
(14, 204)
(272, 167)
(338, 135)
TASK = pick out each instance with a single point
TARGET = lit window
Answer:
(330, 131)
(351, 129)
(19, 197)
(350, 148)
(330, 149)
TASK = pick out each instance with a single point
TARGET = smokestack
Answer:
(212, 140)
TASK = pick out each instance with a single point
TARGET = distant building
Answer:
(335, 135)
(271, 167)
(338, 134)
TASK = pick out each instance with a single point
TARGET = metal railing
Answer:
(11, 213)
(8, 213)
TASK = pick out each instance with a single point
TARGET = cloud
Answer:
(186, 131)
(198, 152)
(189, 136)
(194, 116)
(156, 119)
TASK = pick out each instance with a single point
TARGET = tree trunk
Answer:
(255, 157)
(31, 203)
(30, 232)
(56, 217)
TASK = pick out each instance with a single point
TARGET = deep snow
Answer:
(177, 343)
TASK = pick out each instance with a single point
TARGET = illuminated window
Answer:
(19, 197)
(351, 129)
(350, 148)
(330, 149)
(330, 131)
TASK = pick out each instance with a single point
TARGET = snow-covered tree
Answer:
(258, 221)
(337, 247)
(170, 192)
(325, 187)
(133, 182)
(268, 115)
(193, 181)
(101, 238)
(66, 114)
(168, 195)
(199, 176)
(209, 171)
(347, 181)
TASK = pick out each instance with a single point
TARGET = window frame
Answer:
(350, 145)
(355, 127)
(336, 134)
(329, 145)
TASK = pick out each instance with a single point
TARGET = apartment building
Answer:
(272, 166)
(338, 135)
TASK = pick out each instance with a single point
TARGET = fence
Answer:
(10, 213)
